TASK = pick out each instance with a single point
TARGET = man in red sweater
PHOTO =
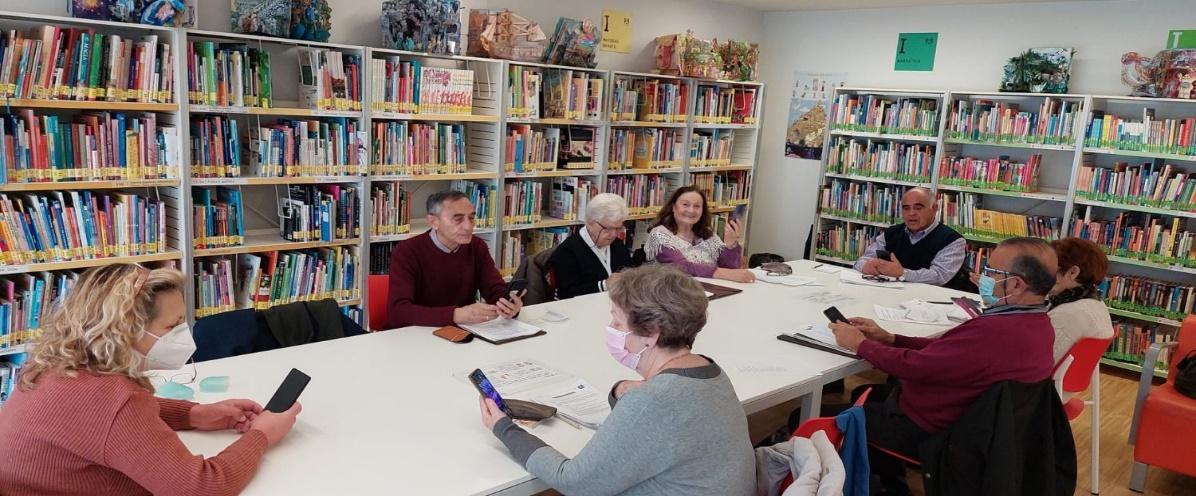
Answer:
(435, 277)
(1011, 340)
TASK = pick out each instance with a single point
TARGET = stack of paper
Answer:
(502, 329)
(855, 277)
(576, 400)
(921, 312)
(820, 335)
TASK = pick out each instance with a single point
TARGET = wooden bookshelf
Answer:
(99, 106)
(81, 185)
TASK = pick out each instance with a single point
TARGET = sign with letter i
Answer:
(616, 31)
(915, 51)
(1181, 38)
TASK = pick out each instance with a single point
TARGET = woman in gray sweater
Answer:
(679, 431)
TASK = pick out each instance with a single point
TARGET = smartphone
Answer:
(835, 315)
(883, 254)
(516, 286)
(740, 212)
(483, 386)
(288, 392)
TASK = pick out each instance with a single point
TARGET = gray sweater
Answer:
(682, 433)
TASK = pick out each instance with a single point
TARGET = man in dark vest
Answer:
(921, 249)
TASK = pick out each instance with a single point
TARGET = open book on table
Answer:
(576, 400)
(503, 330)
(819, 337)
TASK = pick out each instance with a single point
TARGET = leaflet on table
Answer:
(855, 277)
(922, 312)
(520, 375)
(578, 402)
(822, 335)
(502, 329)
(826, 268)
(787, 280)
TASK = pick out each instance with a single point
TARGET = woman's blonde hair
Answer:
(95, 327)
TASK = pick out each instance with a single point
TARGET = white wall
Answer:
(971, 54)
(356, 22)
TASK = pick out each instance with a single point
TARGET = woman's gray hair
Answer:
(606, 207)
(661, 299)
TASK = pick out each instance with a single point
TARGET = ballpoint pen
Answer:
(817, 266)
(569, 421)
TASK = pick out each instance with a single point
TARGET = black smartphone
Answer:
(835, 315)
(288, 392)
(740, 212)
(516, 285)
(483, 386)
(883, 255)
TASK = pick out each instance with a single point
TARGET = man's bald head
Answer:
(1032, 259)
(918, 208)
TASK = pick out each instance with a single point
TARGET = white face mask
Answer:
(171, 350)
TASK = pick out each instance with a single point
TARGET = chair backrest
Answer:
(379, 289)
(1085, 356)
(1187, 343)
(535, 270)
(229, 334)
(827, 424)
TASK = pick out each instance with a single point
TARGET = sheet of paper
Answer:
(854, 277)
(822, 334)
(826, 298)
(502, 328)
(519, 375)
(579, 402)
(789, 280)
(827, 268)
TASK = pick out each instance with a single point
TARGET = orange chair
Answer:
(825, 424)
(1075, 373)
(378, 290)
(1163, 432)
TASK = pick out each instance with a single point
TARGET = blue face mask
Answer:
(987, 284)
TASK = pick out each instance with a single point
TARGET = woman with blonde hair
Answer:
(84, 419)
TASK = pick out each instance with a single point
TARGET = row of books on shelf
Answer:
(325, 212)
(534, 149)
(570, 197)
(484, 197)
(10, 376)
(986, 120)
(260, 281)
(409, 87)
(522, 202)
(645, 194)
(882, 114)
(1151, 134)
(333, 146)
(228, 75)
(218, 221)
(963, 213)
(522, 244)
(1134, 339)
(1149, 184)
(380, 257)
(845, 242)
(554, 93)
(73, 225)
(881, 159)
(1151, 297)
(329, 80)
(711, 148)
(646, 148)
(391, 205)
(724, 188)
(1140, 236)
(53, 63)
(401, 147)
(85, 147)
(27, 299)
(649, 100)
(725, 105)
(864, 201)
(1001, 173)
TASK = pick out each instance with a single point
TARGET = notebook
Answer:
(503, 330)
(819, 337)
(714, 291)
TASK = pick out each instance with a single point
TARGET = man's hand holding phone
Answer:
(512, 300)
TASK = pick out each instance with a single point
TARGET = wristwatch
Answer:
(901, 277)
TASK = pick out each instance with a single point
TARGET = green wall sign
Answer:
(1181, 38)
(915, 51)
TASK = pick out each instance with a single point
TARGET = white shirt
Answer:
(602, 253)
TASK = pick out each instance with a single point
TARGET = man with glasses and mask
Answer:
(940, 378)
(586, 261)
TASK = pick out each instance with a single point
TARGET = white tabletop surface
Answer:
(393, 413)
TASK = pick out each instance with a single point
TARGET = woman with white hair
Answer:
(586, 259)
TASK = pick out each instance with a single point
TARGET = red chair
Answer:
(1163, 431)
(378, 289)
(1075, 373)
(825, 424)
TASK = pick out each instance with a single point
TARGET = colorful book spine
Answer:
(519, 245)
(275, 278)
(218, 218)
(531, 149)
(76, 225)
(964, 213)
(216, 147)
(523, 202)
(484, 197)
(570, 196)
(621, 155)
(880, 114)
(658, 148)
(716, 104)
(228, 75)
(329, 80)
(391, 207)
(863, 201)
(86, 147)
(1139, 236)
(412, 148)
(1150, 134)
(1001, 122)
(523, 92)
(1149, 184)
(724, 189)
(26, 300)
(649, 100)
(711, 148)
(840, 241)
(1001, 173)
(1133, 340)
(323, 147)
(326, 212)
(881, 159)
(1149, 296)
(645, 193)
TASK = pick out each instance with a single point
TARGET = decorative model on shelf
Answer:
(264, 17)
(502, 34)
(1169, 74)
(740, 59)
(1039, 70)
(311, 20)
(153, 12)
(687, 55)
(574, 43)
(432, 26)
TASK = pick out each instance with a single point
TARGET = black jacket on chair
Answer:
(578, 270)
(1014, 439)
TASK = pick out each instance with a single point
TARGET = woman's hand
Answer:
(736, 275)
(276, 425)
(227, 414)
(731, 233)
(491, 413)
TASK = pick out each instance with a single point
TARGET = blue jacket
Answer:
(854, 451)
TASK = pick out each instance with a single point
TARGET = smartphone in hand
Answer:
(835, 315)
(483, 385)
(516, 286)
(883, 254)
(740, 212)
(288, 392)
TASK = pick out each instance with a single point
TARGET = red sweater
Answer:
(104, 435)
(941, 377)
(427, 284)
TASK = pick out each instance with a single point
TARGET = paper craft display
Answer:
(503, 34)
(740, 60)
(687, 55)
(264, 17)
(311, 20)
(432, 26)
(574, 43)
(172, 13)
(1038, 70)
(1169, 74)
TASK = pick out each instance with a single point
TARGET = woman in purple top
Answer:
(682, 236)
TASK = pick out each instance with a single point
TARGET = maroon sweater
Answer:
(941, 377)
(427, 284)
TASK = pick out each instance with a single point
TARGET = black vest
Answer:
(921, 255)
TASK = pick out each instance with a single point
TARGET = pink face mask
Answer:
(616, 345)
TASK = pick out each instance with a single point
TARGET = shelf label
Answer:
(915, 51)
(13, 269)
(1181, 38)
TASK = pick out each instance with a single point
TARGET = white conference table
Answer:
(393, 413)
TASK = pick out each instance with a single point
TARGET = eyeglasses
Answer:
(777, 269)
(613, 230)
(1005, 273)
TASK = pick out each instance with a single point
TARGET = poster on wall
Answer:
(915, 51)
(808, 108)
(616, 31)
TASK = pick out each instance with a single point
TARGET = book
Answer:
(216, 147)
(391, 205)
(570, 196)
(645, 193)
(1140, 236)
(503, 330)
(523, 202)
(27, 299)
(414, 148)
(712, 148)
(531, 149)
(964, 213)
(1150, 134)
(715, 104)
(523, 90)
(228, 75)
(1166, 186)
(881, 159)
(1002, 122)
(484, 197)
(658, 148)
(1001, 173)
(86, 147)
(326, 212)
(280, 277)
(847, 242)
(77, 225)
(867, 201)
(329, 146)
(329, 80)
(884, 114)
